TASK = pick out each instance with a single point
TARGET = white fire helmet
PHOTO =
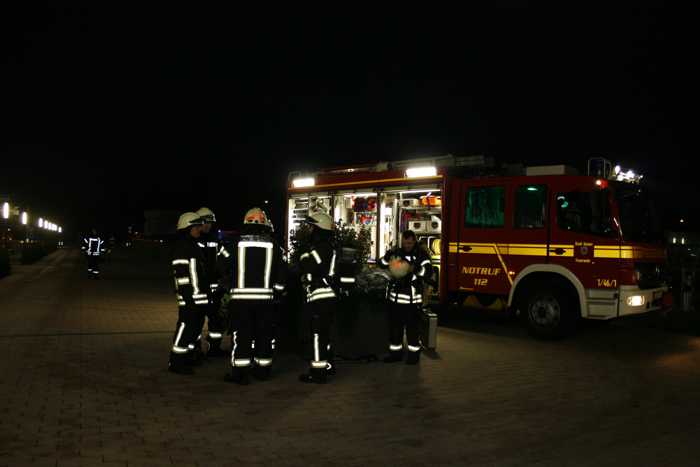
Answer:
(207, 215)
(321, 220)
(256, 216)
(188, 219)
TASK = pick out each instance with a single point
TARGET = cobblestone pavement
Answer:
(83, 383)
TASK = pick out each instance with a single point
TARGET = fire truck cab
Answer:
(544, 241)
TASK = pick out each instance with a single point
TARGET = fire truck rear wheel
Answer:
(551, 311)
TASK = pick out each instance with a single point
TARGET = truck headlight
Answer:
(636, 300)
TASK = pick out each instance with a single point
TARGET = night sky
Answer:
(108, 112)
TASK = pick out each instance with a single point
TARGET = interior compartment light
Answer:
(417, 172)
(303, 182)
(359, 195)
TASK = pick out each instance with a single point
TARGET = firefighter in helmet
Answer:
(211, 249)
(192, 292)
(93, 246)
(255, 277)
(318, 276)
(409, 265)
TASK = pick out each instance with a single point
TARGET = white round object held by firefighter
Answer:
(399, 268)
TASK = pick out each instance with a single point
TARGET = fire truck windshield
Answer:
(638, 218)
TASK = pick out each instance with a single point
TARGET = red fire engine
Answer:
(544, 241)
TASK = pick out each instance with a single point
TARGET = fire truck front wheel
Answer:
(551, 311)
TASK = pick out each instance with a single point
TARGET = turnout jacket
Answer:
(408, 290)
(211, 249)
(318, 271)
(253, 269)
(93, 245)
(189, 273)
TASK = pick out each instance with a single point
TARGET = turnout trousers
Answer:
(187, 331)
(322, 312)
(93, 265)
(215, 324)
(252, 331)
(404, 317)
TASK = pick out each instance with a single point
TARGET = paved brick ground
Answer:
(83, 383)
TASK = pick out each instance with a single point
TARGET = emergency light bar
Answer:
(303, 182)
(627, 176)
(603, 169)
(417, 172)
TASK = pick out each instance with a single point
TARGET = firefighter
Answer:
(93, 246)
(317, 276)
(255, 278)
(192, 292)
(410, 266)
(211, 249)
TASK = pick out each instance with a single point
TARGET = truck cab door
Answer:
(530, 234)
(585, 240)
(481, 247)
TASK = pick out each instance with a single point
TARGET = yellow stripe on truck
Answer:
(527, 251)
(519, 249)
(540, 249)
(606, 253)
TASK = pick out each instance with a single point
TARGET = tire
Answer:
(551, 311)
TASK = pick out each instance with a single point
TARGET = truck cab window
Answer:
(530, 206)
(485, 207)
(585, 212)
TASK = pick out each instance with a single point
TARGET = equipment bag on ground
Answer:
(429, 325)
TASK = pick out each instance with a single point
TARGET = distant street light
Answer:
(5, 210)
(41, 222)
(24, 218)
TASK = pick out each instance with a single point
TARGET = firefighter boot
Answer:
(394, 357)
(178, 364)
(413, 358)
(262, 373)
(330, 369)
(215, 348)
(238, 375)
(195, 355)
(315, 375)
